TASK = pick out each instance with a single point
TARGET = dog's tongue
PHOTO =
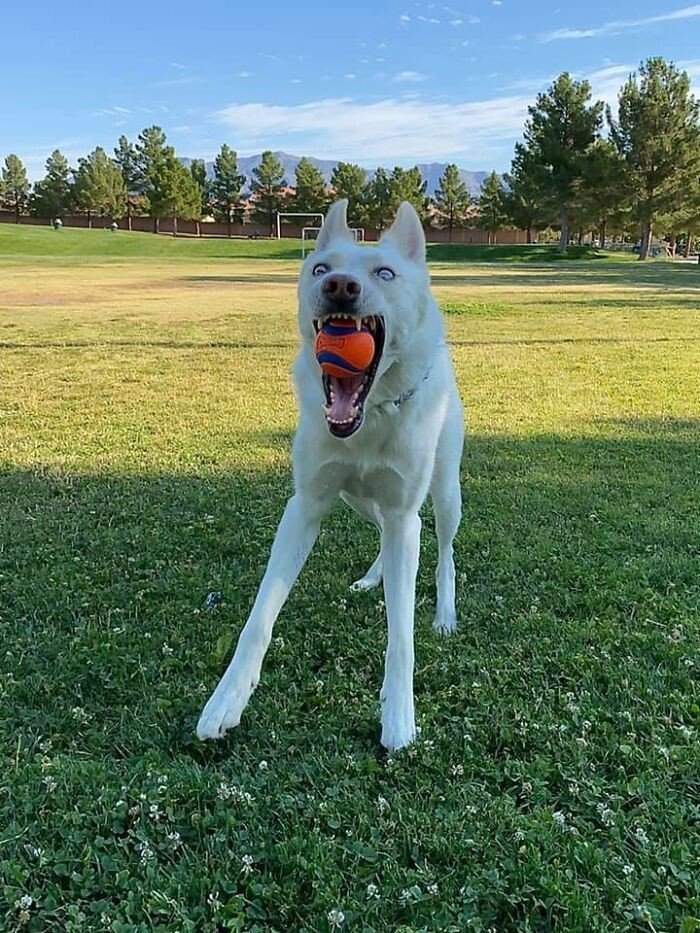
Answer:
(342, 392)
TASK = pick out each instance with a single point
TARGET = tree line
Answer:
(579, 168)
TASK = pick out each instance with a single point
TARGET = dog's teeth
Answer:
(358, 323)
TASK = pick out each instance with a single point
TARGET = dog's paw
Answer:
(368, 582)
(445, 622)
(372, 578)
(398, 725)
(222, 712)
(396, 735)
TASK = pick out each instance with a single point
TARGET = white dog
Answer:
(381, 441)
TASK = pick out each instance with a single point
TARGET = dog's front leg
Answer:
(295, 537)
(400, 550)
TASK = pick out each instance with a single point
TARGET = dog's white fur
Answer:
(409, 444)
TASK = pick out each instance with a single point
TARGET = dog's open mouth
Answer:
(345, 398)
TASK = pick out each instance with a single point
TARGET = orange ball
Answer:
(342, 350)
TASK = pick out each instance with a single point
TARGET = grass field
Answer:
(87, 245)
(146, 418)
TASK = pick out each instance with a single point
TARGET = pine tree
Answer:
(99, 187)
(52, 195)
(348, 181)
(492, 211)
(657, 134)
(14, 186)
(522, 199)
(174, 192)
(126, 160)
(225, 187)
(154, 159)
(604, 195)
(452, 198)
(562, 126)
(267, 185)
(377, 200)
(187, 195)
(198, 171)
(311, 195)
(408, 185)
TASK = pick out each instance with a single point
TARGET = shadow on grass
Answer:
(662, 277)
(233, 345)
(271, 278)
(104, 581)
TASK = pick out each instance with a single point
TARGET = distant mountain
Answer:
(431, 171)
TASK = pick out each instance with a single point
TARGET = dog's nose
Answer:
(341, 288)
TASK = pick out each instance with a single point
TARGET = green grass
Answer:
(87, 245)
(146, 415)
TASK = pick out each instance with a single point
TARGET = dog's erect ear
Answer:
(407, 233)
(335, 225)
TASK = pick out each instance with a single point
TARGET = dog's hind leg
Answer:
(295, 537)
(368, 509)
(446, 494)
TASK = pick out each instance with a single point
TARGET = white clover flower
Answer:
(458, 770)
(559, 818)
(50, 783)
(336, 918)
(80, 715)
(166, 650)
(641, 836)
(607, 816)
(174, 839)
(26, 902)
(372, 891)
(432, 889)
(145, 852)
(262, 766)
(213, 900)
(382, 804)
(627, 869)
(248, 862)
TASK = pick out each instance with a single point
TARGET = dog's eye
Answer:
(320, 269)
(385, 274)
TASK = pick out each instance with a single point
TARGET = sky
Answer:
(376, 82)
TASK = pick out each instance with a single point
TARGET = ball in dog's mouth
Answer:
(345, 398)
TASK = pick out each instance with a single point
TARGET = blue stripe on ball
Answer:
(338, 330)
(326, 356)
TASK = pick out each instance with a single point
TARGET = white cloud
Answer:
(110, 112)
(244, 74)
(177, 65)
(409, 76)
(473, 20)
(616, 26)
(350, 76)
(387, 129)
(404, 19)
(178, 82)
(456, 22)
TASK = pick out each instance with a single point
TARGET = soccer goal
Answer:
(311, 216)
(311, 233)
